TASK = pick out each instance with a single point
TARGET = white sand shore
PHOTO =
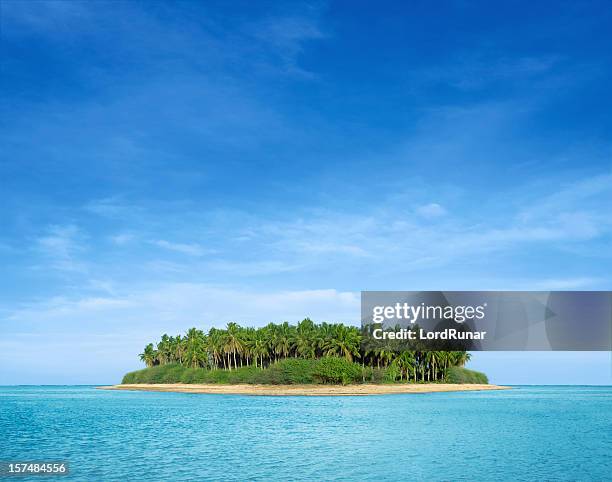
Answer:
(304, 390)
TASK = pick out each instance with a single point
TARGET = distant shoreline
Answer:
(304, 390)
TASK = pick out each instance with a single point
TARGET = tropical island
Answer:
(306, 358)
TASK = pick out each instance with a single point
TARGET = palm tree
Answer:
(164, 350)
(260, 346)
(215, 346)
(195, 348)
(323, 337)
(434, 359)
(236, 346)
(344, 341)
(305, 341)
(271, 336)
(177, 347)
(233, 342)
(406, 363)
(386, 354)
(284, 340)
(248, 339)
(149, 355)
(461, 358)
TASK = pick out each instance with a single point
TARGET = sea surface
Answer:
(528, 433)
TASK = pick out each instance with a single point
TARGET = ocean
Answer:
(528, 433)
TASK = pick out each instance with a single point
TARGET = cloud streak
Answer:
(191, 249)
(62, 246)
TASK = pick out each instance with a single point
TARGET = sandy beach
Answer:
(304, 390)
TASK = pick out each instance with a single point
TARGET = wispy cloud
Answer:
(262, 267)
(384, 234)
(177, 306)
(479, 69)
(88, 329)
(431, 210)
(122, 238)
(43, 15)
(576, 214)
(589, 197)
(286, 36)
(191, 249)
(61, 247)
(112, 207)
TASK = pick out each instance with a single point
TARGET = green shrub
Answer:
(367, 373)
(284, 372)
(373, 374)
(294, 371)
(391, 373)
(172, 374)
(149, 375)
(378, 375)
(129, 378)
(239, 375)
(337, 370)
(463, 375)
(288, 372)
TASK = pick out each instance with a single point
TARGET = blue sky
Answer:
(170, 164)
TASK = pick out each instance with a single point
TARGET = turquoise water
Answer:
(529, 433)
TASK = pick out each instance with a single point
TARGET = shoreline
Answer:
(303, 390)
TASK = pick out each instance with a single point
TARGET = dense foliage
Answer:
(283, 372)
(288, 372)
(463, 375)
(229, 353)
(338, 370)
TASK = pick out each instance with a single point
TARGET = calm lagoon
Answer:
(528, 433)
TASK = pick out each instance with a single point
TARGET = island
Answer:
(304, 390)
(303, 359)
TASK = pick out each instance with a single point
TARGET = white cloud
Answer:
(122, 238)
(174, 307)
(584, 203)
(61, 247)
(253, 268)
(284, 38)
(468, 71)
(380, 237)
(576, 214)
(432, 210)
(333, 248)
(183, 248)
(112, 208)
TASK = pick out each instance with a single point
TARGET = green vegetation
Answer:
(283, 372)
(338, 370)
(463, 375)
(302, 354)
